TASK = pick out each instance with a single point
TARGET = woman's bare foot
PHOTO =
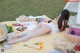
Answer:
(11, 36)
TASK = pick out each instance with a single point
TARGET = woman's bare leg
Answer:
(13, 35)
(42, 30)
(38, 26)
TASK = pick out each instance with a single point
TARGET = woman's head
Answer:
(65, 14)
(62, 22)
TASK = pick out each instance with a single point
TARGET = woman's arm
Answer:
(56, 19)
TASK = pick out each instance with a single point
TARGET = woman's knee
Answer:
(45, 25)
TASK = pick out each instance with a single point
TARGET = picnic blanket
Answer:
(47, 39)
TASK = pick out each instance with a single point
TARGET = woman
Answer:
(42, 28)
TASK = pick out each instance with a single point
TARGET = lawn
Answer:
(11, 9)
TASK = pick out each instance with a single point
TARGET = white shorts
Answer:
(53, 27)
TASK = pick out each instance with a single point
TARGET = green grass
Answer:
(11, 9)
